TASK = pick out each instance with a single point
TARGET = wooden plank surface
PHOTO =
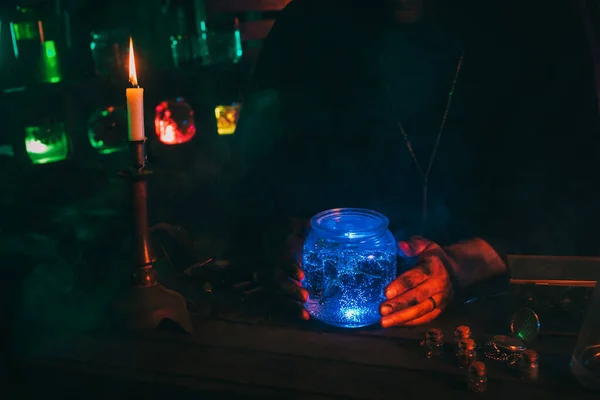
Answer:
(255, 30)
(271, 358)
(256, 372)
(278, 358)
(314, 376)
(69, 380)
(233, 6)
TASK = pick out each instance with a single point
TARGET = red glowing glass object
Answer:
(174, 122)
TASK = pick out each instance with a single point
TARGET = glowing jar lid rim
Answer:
(350, 223)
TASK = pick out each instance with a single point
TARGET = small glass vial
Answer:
(477, 377)
(434, 343)
(528, 365)
(466, 353)
(461, 332)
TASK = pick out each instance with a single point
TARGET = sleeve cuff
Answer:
(473, 261)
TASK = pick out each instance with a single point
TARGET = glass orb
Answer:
(107, 130)
(174, 122)
(349, 257)
(47, 144)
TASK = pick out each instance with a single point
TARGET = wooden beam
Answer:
(255, 30)
(232, 6)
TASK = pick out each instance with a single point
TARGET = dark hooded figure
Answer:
(472, 125)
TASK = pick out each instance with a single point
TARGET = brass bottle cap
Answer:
(530, 356)
(462, 331)
(467, 344)
(477, 368)
(435, 334)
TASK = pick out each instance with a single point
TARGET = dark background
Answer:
(64, 227)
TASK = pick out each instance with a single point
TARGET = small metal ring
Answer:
(433, 302)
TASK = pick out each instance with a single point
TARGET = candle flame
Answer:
(132, 73)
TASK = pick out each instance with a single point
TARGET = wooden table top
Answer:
(258, 358)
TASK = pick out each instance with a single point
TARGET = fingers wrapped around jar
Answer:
(288, 278)
(418, 296)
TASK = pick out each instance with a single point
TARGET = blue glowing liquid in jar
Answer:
(349, 257)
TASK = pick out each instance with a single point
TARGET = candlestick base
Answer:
(145, 308)
(144, 276)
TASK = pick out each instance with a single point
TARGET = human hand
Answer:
(289, 275)
(421, 294)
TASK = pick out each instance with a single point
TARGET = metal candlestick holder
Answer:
(147, 303)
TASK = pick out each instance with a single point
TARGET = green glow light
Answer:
(13, 36)
(26, 30)
(238, 45)
(44, 146)
(110, 150)
(50, 49)
(103, 148)
(50, 63)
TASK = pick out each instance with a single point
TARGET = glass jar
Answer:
(221, 43)
(47, 144)
(349, 257)
(477, 377)
(585, 363)
(227, 117)
(434, 343)
(34, 32)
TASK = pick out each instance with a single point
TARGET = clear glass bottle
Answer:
(477, 377)
(110, 52)
(528, 364)
(203, 51)
(461, 332)
(224, 41)
(183, 49)
(466, 352)
(349, 257)
(35, 38)
(434, 343)
(585, 362)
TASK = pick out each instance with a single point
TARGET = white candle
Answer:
(135, 102)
